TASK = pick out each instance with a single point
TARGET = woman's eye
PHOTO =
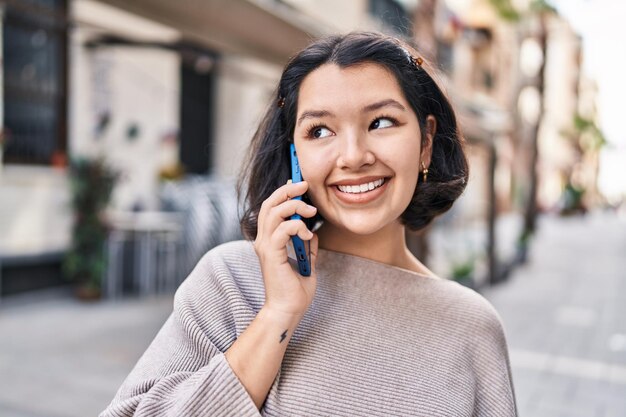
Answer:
(382, 122)
(319, 132)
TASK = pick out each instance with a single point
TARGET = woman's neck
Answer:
(387, 245)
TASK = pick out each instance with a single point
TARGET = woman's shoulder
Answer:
(473, 314)
(227, 259)
(211, 302)
(228, 271)
(473, 300)
(236, 252)
(442, 299)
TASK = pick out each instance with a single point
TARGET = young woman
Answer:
(371, 331)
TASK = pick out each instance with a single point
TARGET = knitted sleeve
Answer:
(494, 392)
(184, 371)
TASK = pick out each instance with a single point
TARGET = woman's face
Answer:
(355, 130)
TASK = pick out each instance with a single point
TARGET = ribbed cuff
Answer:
(222, 394)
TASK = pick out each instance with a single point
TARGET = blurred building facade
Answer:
(156, 87)
(152, 86)
(588, 140)
(566, 159)
(477, 55)
(511, 96)
(34, 218)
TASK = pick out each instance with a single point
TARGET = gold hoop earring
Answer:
(424, 171)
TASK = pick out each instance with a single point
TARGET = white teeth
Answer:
(355, 189)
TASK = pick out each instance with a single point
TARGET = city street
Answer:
(564, 316)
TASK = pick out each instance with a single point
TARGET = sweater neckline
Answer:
(379, 264)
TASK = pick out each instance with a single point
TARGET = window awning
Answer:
(270, 30)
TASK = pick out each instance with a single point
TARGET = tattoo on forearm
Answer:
(283, 336)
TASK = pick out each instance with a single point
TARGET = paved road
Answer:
(564, 315)
(565, 318)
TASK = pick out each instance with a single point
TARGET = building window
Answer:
(34, 54)
(481, 42)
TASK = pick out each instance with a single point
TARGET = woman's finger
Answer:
(283, 211)
(281, 237)
(280, 195)
(284, 193)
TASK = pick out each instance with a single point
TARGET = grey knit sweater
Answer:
(376, 341)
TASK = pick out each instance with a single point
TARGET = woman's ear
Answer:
(427, 148)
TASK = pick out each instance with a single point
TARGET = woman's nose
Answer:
(354, 152)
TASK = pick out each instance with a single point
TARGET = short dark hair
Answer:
(267, 164)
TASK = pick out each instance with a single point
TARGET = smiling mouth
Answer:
(362, 188)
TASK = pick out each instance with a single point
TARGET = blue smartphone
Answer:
(302, 248)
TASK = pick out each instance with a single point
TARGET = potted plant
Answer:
(572, 200)
(463, 272)
(91, 182)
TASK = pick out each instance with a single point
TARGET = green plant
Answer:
(91, 182)
(509, 13)
(542, 6)
(572, 199)
(505, 10)
(463, 270)
(524, 238)
(592, 136)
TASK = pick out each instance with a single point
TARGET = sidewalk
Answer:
(60, 357)
(564, 315)
(565, 318)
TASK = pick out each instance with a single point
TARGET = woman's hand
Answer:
(286, 291)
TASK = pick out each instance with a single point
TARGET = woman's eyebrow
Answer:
(313, 114)
(380, 104)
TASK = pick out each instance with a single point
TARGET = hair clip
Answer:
(281, 101)
(417, 61)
